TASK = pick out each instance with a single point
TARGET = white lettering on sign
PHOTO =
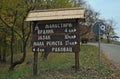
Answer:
(45, 31)
(44, 37)
(70, 30)
(70, 43)
(70, 36)
(55, 37)
(38, 43)
(52, 26)
(54, 43)
(64, 49)
(36, 28)
(38, 50)
(61, 25)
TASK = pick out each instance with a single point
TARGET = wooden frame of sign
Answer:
(58, 36)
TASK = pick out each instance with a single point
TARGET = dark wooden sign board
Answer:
(60, 36)
(56, 30)
(56, 36)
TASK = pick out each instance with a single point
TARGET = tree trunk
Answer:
(45, 55)
(24, 43)
(0, 55)
(13, 65)
(108, 38)
(4, 49)
(24, 39)
(11, 47)
(4, 56)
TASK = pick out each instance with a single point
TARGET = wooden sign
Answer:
(56, 37)
(56, 30)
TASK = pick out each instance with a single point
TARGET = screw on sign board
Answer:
(56, 37)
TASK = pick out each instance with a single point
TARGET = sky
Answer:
(108, 9)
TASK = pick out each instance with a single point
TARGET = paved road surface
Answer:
(112, 51)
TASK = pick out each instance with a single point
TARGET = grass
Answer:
(60, 66)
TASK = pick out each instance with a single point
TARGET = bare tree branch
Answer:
(7, 25)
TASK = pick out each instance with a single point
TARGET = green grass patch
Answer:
(60, 66)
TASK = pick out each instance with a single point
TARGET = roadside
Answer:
(61, 66)
(112, 51)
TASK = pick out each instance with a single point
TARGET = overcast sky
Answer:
(109, 9)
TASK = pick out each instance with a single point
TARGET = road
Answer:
(111, 51)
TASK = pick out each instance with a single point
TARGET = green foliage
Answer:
(59, 3)
(57, 62)
(14, 12)
(86, 58)
(59, 65)
(12, 18)
(52, 4)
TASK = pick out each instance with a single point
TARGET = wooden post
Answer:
(76, 61)
(35, 63)
(77, 50)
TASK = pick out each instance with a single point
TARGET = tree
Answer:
(4, 42)
(3, 46)
(13, 16)
(86, 26)
(91, 17)
(110, 24)
(52, 4)
(80, 3)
